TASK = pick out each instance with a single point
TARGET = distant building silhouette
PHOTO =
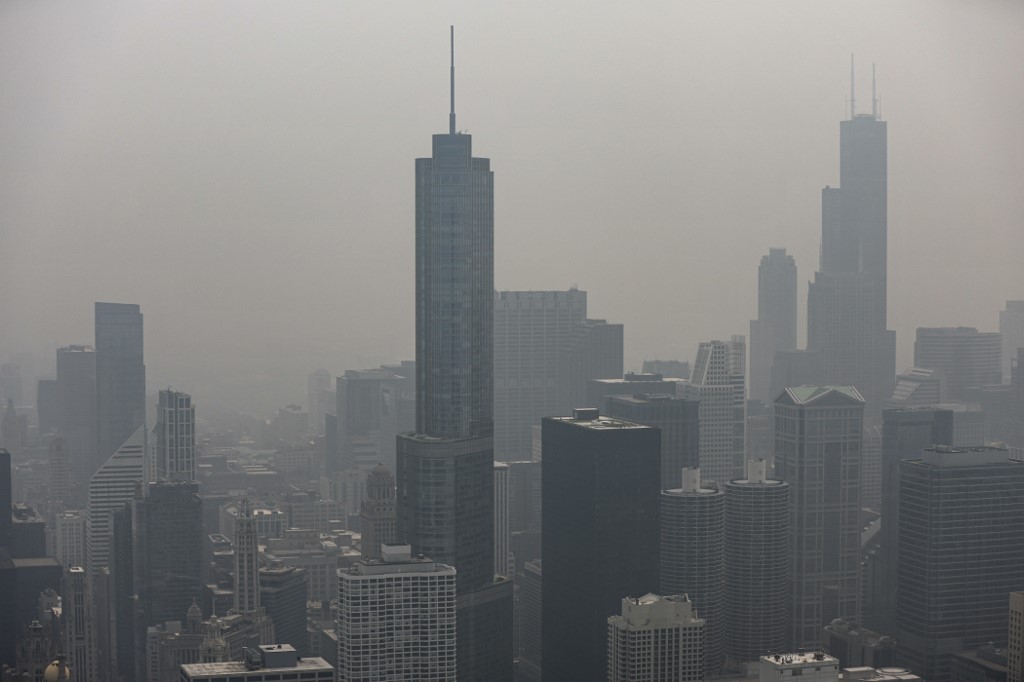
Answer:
(966, 357)
(120, 376)
(175, 435)
(774, 330)
(1011, 328)
(378, 516)
(110, 489)
(76, 408)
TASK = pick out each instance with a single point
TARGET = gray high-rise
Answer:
(846, 302)
(966, 357)
(818, 450)
(175, 437)
(445, 468)
(120, 376)
(76, 408)
(679, 422)
(774, 330)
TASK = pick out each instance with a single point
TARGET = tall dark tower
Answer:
(120, 376)
(846, 302)
(445, 469)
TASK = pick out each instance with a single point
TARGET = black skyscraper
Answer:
(600, 543)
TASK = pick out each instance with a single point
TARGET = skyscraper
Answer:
(79, 629)
(846, 302)
(397, 619)
(502, 529)
(717, 382)
(120, 376)
(445, 469)
(1011, 328)
(373, 406)
(76, 407)
(601, 490)
(966, 357)
(961, 552)
(756, 566)
(656, 638)
(110, 489)
(377, 516)
(679, 422)
(693, 556)
(175, 437)
(774, 330)
(818, 449)
(284, 593)
(247, 562)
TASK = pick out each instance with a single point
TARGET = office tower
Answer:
(71, 538)
(961, 552)
(378, 516)
(445, 469)
(21, 582)
(756, 566)
(818, 450)
(6, 503)
(905, 433)
(693, 556)
(46, 406)
(283, 593)
(598, 390)
(529, 621)
(717, 383)
(503, 564)
(846, 302)
(966, 357)
(14, 429)
(871, 468)
(76, 407)
(679, 422)
(247, 561)
(60, 474)
(656, 638)
(810, 667)
(1017, 403)
(168, 548)
(265, 662)
(396, 619)
(79, 632)
(917, 386)
(1015, 644)
(319, 399)
(10, 382)
(373, 407)
(601, 490)
(530, 328)
(120, 376)
(1011, 328)
(774, 330)
(110, 488)
(593, 350)
(175, 437)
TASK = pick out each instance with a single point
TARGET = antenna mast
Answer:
(451, 114)
(853, 101)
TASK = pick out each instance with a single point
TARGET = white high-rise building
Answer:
(396, 619)
(71, 538)
(79, 635)
(175, 437)
(717, 382)
(110, 488)
(656, 638)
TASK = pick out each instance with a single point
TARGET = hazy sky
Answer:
(244, 170)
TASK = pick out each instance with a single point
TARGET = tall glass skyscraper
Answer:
(445, 469)
(120, 376)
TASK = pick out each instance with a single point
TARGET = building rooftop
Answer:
(803, 395)
(947, 456)
(799, 660)
(590, 418)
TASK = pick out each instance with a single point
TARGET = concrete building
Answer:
(71, 536)
(679, 422)
(756, 567)
(917, 386)
(445, 469)
(110, 489)
(976, 538)
(396, 619)
(717, 382)
(774, 330)
(79, 628)
(656, 638)
(1011, 328)
(175, 433)
(601, 489)
(378, 518)
(966, 357)
(284, 593)
(120, 376)
(267, 662)
(693, 556)
(810, 667)
(818, 449)
(373, 407)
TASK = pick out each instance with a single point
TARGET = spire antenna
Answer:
(874, 96)
(451, 114)
(853, 101)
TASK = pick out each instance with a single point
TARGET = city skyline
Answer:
(808, 102)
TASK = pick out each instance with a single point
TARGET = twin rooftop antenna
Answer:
(875, 109)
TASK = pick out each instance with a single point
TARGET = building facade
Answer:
(120, 376)
(654, 639)
(774, 330)
(175, 437)
(110, 489)
(679, 422)
(966, 357)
